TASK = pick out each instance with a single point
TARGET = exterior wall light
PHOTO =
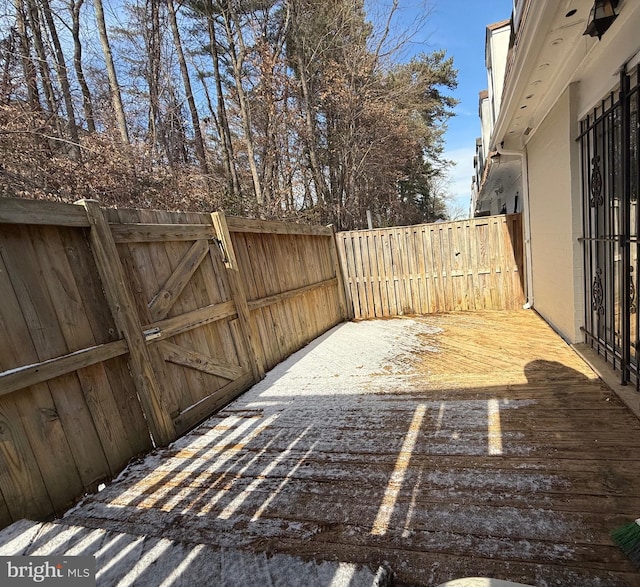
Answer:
(601, 17)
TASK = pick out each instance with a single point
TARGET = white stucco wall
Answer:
(499, 47)
(554, 193)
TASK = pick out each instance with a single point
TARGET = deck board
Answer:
(520, 462)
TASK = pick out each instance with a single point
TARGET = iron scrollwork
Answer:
(597, 293)
(596, 183)
(633, 307)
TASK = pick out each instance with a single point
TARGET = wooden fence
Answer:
(121, 329)
(467, 265)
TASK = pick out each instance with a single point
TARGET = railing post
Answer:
(625, 240)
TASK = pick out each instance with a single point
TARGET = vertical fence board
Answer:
(430, 268)
(105, 425)
(34, 335)
(101, 323)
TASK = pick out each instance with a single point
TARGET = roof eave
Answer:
(528, 46)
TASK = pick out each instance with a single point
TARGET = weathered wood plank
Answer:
(335, 254)
(20, 211)
(28, 375)
(170, 327)
(296, 319)
(98, 315)
(198, 412)
(32, 334)
(206, 289)
(341, 239)
(169, 255)
(265, 285)
(199, 361)
(248, 278)
(149, 233)
(160, 305)
(144, 280)
(123, 309)
(286, 295)
(237, 224)
(97, 429)
(21, 481)
(247, 326)
(5, 515)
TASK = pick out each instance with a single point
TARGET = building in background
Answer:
(494, 192)
(563, 149)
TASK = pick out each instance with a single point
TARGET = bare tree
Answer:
(43, 62)
(28, 66)
(87, 104)
(186, 80)
(114, 86)
(228, 153)
(63, 80)
(236, 52)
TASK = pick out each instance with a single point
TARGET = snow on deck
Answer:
(443, 446)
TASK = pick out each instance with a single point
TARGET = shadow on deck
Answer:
(442, 446)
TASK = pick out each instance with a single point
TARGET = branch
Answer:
(387, 30)
(49, 137)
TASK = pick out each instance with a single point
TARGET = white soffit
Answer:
(552, 53)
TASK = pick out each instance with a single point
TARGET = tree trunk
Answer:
(195, 119)
(223, 121)
(28, 67)
(87, 104)
(157, 127)
(63, 80)
(111, 73)
(245, 111)
(43, 64)
(322, 190)
(9, 50)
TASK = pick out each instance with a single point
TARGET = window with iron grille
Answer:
(609, 143)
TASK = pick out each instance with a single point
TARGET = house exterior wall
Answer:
(490, 197)
(554, 185)
(498, 51)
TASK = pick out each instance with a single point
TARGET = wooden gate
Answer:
(197, 342)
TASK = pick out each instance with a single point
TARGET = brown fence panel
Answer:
(121, 328)
(292, 282)
(428, 268)
(69, 411)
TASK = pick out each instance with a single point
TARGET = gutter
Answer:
(527, 220)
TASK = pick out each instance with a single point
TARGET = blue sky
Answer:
(459, 26)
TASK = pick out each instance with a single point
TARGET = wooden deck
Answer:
(479, 444)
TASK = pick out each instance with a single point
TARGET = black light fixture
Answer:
(601, 17)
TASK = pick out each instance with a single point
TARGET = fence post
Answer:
(342, 272)
(247, 325)
(345, 311)
(124, 313)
